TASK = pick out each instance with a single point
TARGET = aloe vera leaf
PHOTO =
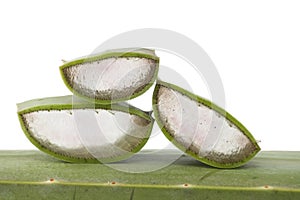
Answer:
(202, 129)
(50, 124)
(112, 76)
(33, 175)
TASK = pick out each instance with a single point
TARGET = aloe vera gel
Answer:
(111, 76)
(66, 129)
(202, 129)
(97, 125)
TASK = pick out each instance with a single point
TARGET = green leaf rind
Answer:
(27, 175)
(214, 107)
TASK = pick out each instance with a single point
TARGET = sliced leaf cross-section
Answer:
(75, 130)
(202, 129)
(111, 76)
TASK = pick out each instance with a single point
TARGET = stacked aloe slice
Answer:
(65, 127)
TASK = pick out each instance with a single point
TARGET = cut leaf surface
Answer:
(112, 76)
(202, 129)
(65, 128)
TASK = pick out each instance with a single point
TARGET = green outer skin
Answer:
(210, 105)
(71, 102)
(269, 176)
(105, 56)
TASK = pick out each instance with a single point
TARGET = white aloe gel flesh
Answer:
(84, 133)
(112, 78)
(200, 129)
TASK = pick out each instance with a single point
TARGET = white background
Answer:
(255, 46)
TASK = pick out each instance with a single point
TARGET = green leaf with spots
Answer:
(32, 175)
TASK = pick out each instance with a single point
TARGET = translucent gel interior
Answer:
(200, 129)
(87, 133)
(111, 78)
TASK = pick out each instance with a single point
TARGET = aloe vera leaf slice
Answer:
(52, 126)
(112, 76)
(202, 129)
